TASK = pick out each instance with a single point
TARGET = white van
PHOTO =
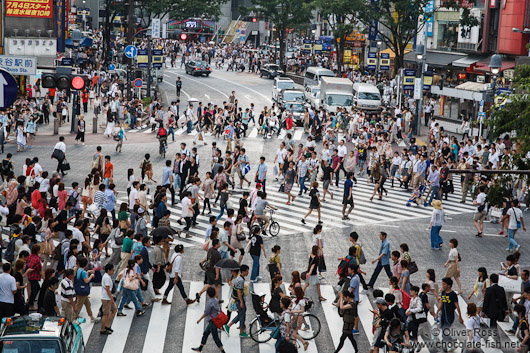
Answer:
(367, 97)
(313, 75)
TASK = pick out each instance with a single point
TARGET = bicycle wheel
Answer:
(274, 228)
(310, 327)
(259, 333)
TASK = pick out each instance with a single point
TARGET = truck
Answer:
(335, 92)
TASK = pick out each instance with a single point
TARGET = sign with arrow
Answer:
(130, 51)
(8, 89)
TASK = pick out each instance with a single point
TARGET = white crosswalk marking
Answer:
(253, 133)
(333, 319)
(192, 330)
(95, 303)
(298, 134)
(157, 329)
(231, 343)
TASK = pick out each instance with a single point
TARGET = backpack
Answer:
(57, 252)
(342, 269)
(80, 286)
(96, 162)
(406, 300)
(71, 199)
(10, 250)
(362, 258)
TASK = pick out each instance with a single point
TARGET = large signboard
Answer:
(408, 79)
(29, 8)
(19, 65)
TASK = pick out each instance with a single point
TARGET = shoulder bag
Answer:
(130, 283)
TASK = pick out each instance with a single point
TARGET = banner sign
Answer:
(317, 47)
(384, 61)
(157, 58)
(29, 8)
(307, 47)
(427, 80)
(19, 65)
(142, 59)
(371, 63)
(408, 79)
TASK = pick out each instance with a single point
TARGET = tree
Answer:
(399, 21)
(341, 18)
(285, 15)
(179, 10)
(511, 115)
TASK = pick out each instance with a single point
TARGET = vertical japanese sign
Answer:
(371, 62)
(372, 31)
(408, 79)
(29, 8)
(59, 24)
(384, 61)
(155, 27)
(429, 17)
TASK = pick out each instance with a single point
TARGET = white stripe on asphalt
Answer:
(192, 330)
(155, 336)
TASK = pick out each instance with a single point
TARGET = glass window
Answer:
(447, 35)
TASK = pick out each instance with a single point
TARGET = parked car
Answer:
(36, 333)
(281, 83)
(196, 67)
(270, 71)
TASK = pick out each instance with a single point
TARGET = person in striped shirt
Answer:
(99, 197)
(68, 308)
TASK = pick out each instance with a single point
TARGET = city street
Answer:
(173, 328)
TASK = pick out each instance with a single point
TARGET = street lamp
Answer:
(523, 31)
(495, 67)
(379, 44)
(421, 57)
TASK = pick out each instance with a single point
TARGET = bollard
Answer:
(56, 126)
(95, 125)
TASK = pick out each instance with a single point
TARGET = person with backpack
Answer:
(82, 288)
(355, 283)
(447, 304)
(360, 259)
(174, 268)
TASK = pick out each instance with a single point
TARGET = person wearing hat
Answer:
(385, 316)
(175, 276)
(140, 227)
(437, 221)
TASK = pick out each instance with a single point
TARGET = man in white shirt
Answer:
(108, 306)
(516, 221)
(481, 211)
(493, 158)
(77, 234)
(133, 196)
(8, 288)
(175, 276)
(189, 118)
(37, 168)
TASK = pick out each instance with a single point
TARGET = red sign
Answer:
(493, 4)
(462, 76)
(29, 8)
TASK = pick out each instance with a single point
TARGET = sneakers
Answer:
(140, 313)
(198, 349)
(303, 221)
(243, 335)
(258, 279)
(197, 297)
(517, 248)
(226, 329)
(189, 301)
(165, 302)
(355, 332)
(120, 314)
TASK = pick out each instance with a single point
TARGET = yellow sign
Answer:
(346, 58)
(354, 36)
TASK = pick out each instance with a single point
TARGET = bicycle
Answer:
(263, 326)
(274, 227)
(163, 146)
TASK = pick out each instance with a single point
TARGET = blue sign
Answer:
(408, 79)
(8, 89)
(429, 24)
(130, 51)
(138, 82)
(429, 7)
(372, 31)
(307, 46)
(112, 67)
(384, 61)
(67, 61)
(317, 48)
(157, 56)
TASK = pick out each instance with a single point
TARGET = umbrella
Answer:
(164, 231)
(227, 264)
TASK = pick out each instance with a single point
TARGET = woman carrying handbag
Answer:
(215, 319)
(131, 282)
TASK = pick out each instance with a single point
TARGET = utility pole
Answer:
(130, 38)
(149, 60)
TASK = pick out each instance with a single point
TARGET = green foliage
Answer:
(146, 101)
(495, 194)
(512, 116)
(284, 14)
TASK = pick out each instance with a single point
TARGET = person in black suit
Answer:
(185, 166)
(495, 306)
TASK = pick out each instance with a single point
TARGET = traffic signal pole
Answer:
(130, 38)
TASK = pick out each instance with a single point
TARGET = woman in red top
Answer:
(34, 275)
(63, 196)
(85, 101)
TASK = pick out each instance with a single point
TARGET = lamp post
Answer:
(379, 44)
(495, 67)
(523, 31)
(421, 57)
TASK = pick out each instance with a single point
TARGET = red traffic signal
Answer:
(254, 19)
(183, 36)
(78, 82)
(64, 81)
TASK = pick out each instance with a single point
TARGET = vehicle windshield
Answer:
(369, 96)
(30, 346)
(314, 91)
(297, 108)
(339, 100)
(285, 84)
(293, 96)
(201, 64)
(273, 67)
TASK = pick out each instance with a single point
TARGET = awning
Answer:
(436, 58)
(467, 61)
(484, 65)
(391, 52)
(473, 86)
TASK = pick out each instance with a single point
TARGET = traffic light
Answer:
(64, 81)
(183, 36)
(254, 19)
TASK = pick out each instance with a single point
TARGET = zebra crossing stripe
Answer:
(333, 319)
(95, 302)
(298, 134)
(264, 288)
(253, 133)
(192, 338)
(155, 335)
(231, 343)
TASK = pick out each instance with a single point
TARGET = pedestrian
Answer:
(297, 310)
(59, 153)
(349, 312)
(447, 304)
(314, 203)
(212, 275)
(288, 182)
(68, 308)
(452, 264)
(131, 283)
(108, 305)
(347, 199)
(312, 272)
(383, 260)
(435, 225)
(34, 264)
(8, 289)
(416, 313)
(211, 310)
(120, 135)
(479, 289)
(82, 281)
(237, 301)
(495, 306)
(81, 125)
(481, 211)
(256, 248)
(175, 275)
(327, 175)
(515, 222)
